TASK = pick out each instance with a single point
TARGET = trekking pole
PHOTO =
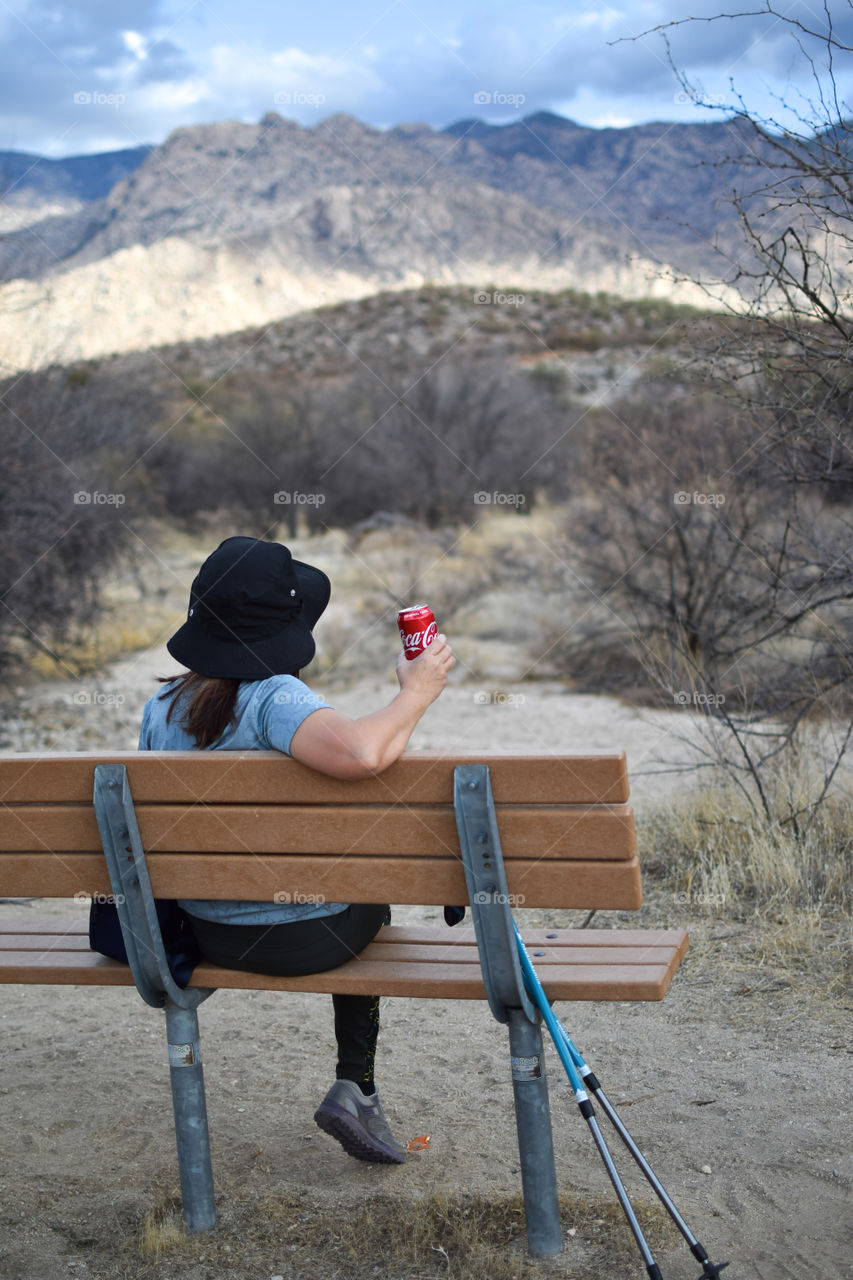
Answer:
(710, 1270)
(537, 994)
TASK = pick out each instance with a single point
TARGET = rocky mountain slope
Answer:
(228, 225)
(35, 187)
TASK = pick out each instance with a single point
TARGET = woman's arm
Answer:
(350, 749)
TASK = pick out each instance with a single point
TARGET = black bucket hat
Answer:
(251, 613)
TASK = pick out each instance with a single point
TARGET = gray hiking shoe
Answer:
(358, 1123)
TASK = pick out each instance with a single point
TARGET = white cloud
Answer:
(609, 120)
(136, 44)
(178, 63)
(244, 73)
(165, 96)
(602, 19)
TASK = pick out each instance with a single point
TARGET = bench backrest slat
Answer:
(258, 777)
(555, 831)
(436, 881)
(251, 825)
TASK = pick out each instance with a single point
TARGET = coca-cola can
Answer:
(417, 629)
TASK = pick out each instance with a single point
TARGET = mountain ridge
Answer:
(578, 171)
(229, 223)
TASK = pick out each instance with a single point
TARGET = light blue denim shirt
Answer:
(268, 713)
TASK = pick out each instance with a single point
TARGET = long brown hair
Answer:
(208, 708)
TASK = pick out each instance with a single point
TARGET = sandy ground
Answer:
(737, 1084)
(738, 1092)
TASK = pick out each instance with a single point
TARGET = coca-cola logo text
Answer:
(417, 640)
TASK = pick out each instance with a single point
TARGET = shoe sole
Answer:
(354, 1139)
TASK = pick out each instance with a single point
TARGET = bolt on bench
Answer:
(549, 831)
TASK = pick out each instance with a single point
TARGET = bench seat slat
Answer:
(397, 962)
(251, 777)
(466, 952)
(451, 951)
(44, 941)
(456, 981)
(581, 831)
(422, 935)
(462, 981)
(47, 967)
(427, 881)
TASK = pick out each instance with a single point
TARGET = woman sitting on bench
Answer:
(247, 636)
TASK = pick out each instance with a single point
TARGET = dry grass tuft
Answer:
(461, 1237)
(430, 1237)
(95, 647)
(163, 1232)
(717, 858)
(716, 853)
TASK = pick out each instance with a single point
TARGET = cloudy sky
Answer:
(91, 75)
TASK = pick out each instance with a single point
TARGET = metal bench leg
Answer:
(190, 1109)
(535, 1140)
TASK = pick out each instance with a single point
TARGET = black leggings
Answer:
(309, 946)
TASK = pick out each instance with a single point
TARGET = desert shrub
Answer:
(719, 852)
(418, 441)
(701, 559)
(67, 501)
(426, 442)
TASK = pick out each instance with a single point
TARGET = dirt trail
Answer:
(735, 1071)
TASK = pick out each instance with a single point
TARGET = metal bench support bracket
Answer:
(140, 928)
(490, 901)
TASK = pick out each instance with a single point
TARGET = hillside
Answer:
(34, 187)
(228, 225)
(595, 347)
(229, 180)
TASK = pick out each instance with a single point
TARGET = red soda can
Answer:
(417, 629)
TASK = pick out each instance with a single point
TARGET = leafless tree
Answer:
(433, 443)
(66, 502)
(748, 601)
(793, 268)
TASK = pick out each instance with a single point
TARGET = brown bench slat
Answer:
(455, 953)
(445, 980)
(450, 951)
(580, 964)
(44, 941)
(49, 968)
(252, 777)
(427, 934)
(422, 935)
(454, 981)
(418, 935)
(584, 831)
(34, 924)
(428, 881)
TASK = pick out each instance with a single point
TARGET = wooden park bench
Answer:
(493, 832)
